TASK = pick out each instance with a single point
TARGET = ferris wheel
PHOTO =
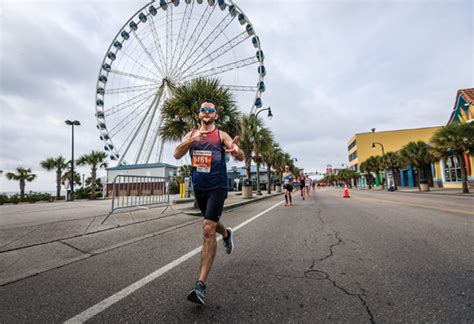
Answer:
(163, 45)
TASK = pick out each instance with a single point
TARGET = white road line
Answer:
(106, 303)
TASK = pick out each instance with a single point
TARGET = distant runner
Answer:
(207, 146)
(302, 182)
(287, 179)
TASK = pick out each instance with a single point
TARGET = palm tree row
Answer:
(451, 140)
(62, 168)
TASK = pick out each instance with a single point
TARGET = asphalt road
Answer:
(376, 257)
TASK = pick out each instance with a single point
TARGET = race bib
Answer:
(202, 161)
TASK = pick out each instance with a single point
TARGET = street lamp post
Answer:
(383, 151)
(270, 115)
(72, 124)
(373, 147)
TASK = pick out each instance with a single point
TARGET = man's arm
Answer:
(231, 146)
(185, 145)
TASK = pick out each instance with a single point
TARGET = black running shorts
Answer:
(288, 187)
(211, 203)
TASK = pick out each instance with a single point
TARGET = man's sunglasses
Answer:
(207, 109)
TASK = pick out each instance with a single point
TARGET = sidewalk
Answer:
(438, 191)
(50, 235)
(433, 191)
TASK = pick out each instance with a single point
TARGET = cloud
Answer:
(333, 69)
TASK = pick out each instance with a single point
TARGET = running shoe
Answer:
(286, 204)
(198, 294)
(229, 241)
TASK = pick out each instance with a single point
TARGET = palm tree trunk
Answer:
(258, 178)
(393, 178)
(247, 167)
(462, 163)
(58, 184)
(269, 176)
(22, 188)
(419, 177)
(93, 185)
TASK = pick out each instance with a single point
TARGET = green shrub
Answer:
(82, 193)
(14, 199)
(3, 199)
(174, 188)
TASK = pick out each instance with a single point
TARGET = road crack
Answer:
(322, 275)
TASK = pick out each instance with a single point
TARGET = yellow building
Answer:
(363, 145)
(447, 172)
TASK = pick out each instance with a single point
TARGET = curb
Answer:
(438, 194)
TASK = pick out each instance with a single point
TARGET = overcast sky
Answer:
(334, 68)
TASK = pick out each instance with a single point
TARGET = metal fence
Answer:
(133, 191)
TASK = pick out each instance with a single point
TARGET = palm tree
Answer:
(184, 171)
(391, 161)
(23, 175)
(345, 175)
(95, 160)
(248, 139)
(375, 163)
(279, 163)
(58, 164)
(455, 139)
(368, 166)
(263, 142)
(180, 112)
(67, 176)
(418, 154)
(269, 157)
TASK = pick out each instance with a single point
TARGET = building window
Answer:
(452, 169)
(354, 143)
(353, 156)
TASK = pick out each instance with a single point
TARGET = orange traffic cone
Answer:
(346, 192)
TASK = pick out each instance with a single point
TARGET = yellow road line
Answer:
(413, 205)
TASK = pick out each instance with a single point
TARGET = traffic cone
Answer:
(346, 192)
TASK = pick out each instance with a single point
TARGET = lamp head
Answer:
(270, 115)
(76, 122)
(373, 145)
(68, 122)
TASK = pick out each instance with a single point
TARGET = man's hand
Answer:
(198, 135)
(234, 149)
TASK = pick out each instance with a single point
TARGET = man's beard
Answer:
(207, 121)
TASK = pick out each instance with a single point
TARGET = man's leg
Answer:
(209, 248)
(220, 228)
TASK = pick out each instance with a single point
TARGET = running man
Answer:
(207, 147)
(287, 179)
(302, 181)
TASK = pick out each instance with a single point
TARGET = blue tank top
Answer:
(208, 160)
